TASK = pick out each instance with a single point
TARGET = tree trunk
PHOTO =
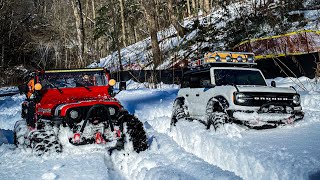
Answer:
(148, 6)
(82, 32)
(93, 10)
(135, 34)
(194, 7)
(79, 33)
(124, 38)
(116, 37)
(188, 7)
(174, 20)
(206, 4)
(200, 4)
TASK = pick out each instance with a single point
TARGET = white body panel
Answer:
(196, 99)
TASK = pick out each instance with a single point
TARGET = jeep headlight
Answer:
(296, 99)
(74, 114)
(240, 97)
(112, 111)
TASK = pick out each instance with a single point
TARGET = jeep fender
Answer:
(61, 110)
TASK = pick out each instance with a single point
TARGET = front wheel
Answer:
(215, 114)
(137, 134)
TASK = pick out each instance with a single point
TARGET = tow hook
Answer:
(118, 133)
(76, 137)
(99, 139)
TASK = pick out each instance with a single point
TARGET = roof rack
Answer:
(224, 59)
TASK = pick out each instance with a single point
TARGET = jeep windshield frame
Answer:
(232, 76)
(73, 79)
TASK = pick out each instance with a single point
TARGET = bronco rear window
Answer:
(72, 79)
(238, 77)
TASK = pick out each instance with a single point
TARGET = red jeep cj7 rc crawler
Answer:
(81, 99)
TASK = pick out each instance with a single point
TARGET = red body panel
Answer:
(73, 97)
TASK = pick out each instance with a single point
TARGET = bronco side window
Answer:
(200, 80)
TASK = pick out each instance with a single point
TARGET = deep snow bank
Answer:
(290, 152)
(165, 159)
(10, 110)
(283, 153)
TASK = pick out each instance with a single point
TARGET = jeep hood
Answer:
(269, 89)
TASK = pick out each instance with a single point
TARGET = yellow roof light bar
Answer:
(229, 57)
(73, 70)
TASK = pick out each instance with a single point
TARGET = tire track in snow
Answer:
(266, 154)
(256, 155)
(90, 164)
(165, 159)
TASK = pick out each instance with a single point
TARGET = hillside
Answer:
(222, 29)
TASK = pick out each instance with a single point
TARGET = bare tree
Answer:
(151, 16)
(174, 20)
(79, 29)
(188, 7)
(123, 27)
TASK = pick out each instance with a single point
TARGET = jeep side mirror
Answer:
(122, 85)
(273, 83)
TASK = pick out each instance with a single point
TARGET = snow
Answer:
(5, 90)
(185, 151)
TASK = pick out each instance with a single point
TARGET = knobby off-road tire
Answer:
(178, 112)
(215, 114)
(19, 133)
(137, 135)
(39, 141)
(42, 142)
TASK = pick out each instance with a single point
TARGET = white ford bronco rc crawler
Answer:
(231, 91)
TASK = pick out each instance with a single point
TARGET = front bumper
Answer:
(263, 120)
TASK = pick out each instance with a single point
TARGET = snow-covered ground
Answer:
(186, 151)
(8, 90)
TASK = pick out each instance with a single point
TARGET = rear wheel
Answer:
(178, 112)
(215, 114)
